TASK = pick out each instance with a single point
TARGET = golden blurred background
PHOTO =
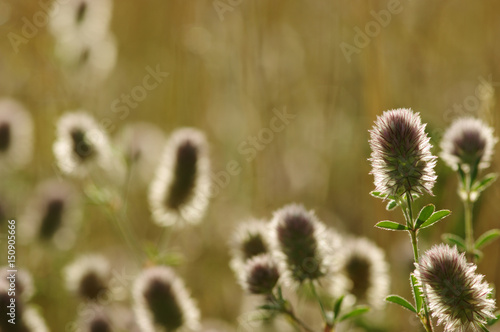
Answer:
(232, 66)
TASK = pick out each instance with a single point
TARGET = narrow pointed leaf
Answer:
(417, 293)
(356, 312)
(485, 182)
(487, 238)
(391, 205)
(424, 215)
(492, 321)
(337, 306)
(401, 301)
(382, 196)
(435, 217)
(453, 239)
(391, 225)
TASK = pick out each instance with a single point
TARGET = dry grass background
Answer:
(226, 77)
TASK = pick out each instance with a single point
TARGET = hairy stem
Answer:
(426, 318)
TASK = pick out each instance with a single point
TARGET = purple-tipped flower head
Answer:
(299, 243)
(468, 142)
(458, 297)
(163, 303)
(88, 276)
(181, 189)
(401, 154)
(260, 275)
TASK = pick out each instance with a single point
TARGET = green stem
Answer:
(469, 230)
(315, 294)
(426, 319)
(289, 311)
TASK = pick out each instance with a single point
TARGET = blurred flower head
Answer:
(249, 240)
(85, 20)
(88, 276)
(24, 282)
(162, 302)
(466, 143)
(260, 274)
(299, 244)
(180, 191)
(88, 61)
(366, 270)
(95, 319)
(458, 297)
(52, 214)
(82, 147)
(401, 154)
(141, 144)
(16, 135)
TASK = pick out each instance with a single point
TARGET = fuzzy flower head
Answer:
(162, 302)
(259, 275)
(82, 147)
(401, 154)
(249, 240)
(88, 276)
(299, 244)
(23, 282)
(180, 191)
(466, 143)
(16, 135)
(366, 270)
(53, 214)
(458, 297)
(96, 319)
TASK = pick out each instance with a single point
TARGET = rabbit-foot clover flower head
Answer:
(52, 214)
(366, 270)
(299, 244)
(88, 276)
(16, 135)
(458, 297)
(162, 302)
(259, 275)
(82, 147)
(181, 188)
(466, 143)
(401, 154)
(85, 20)
(249, 240)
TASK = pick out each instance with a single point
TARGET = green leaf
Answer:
(417, 293)
(380, 195)
(485, 182)
(453, 239)
(391, 205)
(337, 306)
(359, 310)
(401, 301)
(391, 225)
(487, 238)
(484, 328)
(435, 217)
(424, 215)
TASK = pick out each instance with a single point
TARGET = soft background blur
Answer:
(227, 73)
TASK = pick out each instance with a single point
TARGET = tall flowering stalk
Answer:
(403, 169)
(467, 147)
